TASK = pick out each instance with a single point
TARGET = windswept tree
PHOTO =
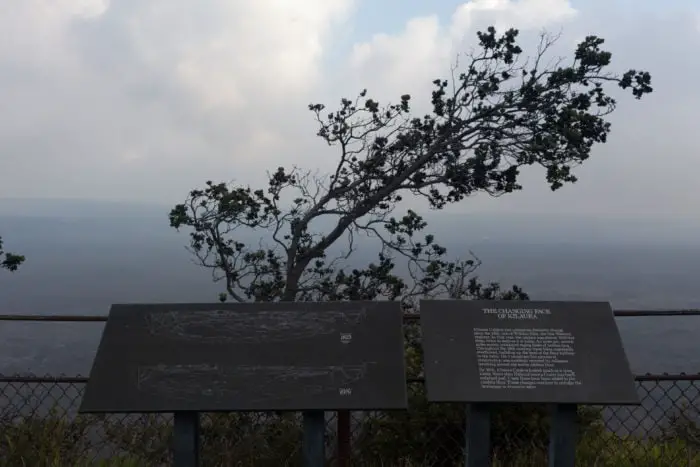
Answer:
(499, 112)
(9, 261)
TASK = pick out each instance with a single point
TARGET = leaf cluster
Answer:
(11, 261)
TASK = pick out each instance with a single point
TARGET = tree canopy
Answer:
(10, 261)
(497, 113)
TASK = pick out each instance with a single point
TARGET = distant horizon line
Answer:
(428, 213)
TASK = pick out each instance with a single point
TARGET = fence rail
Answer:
(39, 426)
(408, 318)
(79, 379)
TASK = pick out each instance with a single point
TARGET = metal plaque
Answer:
(249, 357)
(523, 351)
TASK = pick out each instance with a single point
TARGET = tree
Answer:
(11, 261)
(497, 114)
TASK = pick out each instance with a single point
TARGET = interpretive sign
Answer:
(248, 357)
(520, 351)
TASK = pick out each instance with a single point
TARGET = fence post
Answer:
(562, 436)
(478, 435)
(186, 439)
(314, 442)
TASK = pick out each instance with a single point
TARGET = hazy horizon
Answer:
(81, 264)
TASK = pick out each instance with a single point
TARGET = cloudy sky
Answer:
(144, 100)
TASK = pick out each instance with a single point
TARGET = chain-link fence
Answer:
(39, 426)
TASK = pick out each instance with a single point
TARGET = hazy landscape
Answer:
(83, 256)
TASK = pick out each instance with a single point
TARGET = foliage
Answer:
(47, 441)
(247, 440)
(228, 439)
(604, 449)
(684, 424)
(434, 433)
(145, 440)
(497, 114)
(11, 261)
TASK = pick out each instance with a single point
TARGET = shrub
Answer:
(423, 436)
(228, 439)
(434, 433)
(42, 441)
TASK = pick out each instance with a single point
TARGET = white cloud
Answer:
(34, 32)
(147, 99)
(523, 14)
(162, 94)
(396, 63)
(240, 52)
(425, 49)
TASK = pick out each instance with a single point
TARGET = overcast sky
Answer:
(144, 100)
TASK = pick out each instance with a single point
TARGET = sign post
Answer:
(477, 435)
(314, 448)
(563, 436)
(186, 439)
(561, 353)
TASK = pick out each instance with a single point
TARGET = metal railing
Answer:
(408, 318)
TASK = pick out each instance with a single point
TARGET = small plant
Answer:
(684, 424)
(43, 441)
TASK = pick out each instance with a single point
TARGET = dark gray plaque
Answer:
(508, 351)
(246, 357)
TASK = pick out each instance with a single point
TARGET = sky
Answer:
(144, 100)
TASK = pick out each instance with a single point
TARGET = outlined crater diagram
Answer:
(247, 383)
(221, 326)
